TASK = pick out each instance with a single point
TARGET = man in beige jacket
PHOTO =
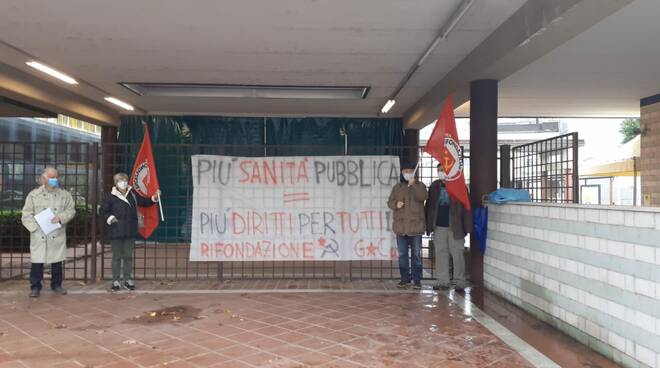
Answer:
(407, 204)
(49, 248)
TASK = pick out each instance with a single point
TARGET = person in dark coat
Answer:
(449, 222)
(119, 211)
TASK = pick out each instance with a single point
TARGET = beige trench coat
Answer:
(50, 248)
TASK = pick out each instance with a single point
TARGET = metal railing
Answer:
(86, 170)
(21, 165)
(548, 169)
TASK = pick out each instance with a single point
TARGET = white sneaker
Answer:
(116, 286)
(129, 285)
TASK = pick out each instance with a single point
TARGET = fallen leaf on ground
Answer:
(130, 342)
(152, 314)
(200, 317)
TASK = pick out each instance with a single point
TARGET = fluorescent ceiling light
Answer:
(52, 72)
(446, 29)
(119, 103)
(247, 91)
(388, 105)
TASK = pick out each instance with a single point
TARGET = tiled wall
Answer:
(593, 272)
(650, 153)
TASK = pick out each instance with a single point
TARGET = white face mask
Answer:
(408, 176)
(122, 185)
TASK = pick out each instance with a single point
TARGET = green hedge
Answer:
(14, 237)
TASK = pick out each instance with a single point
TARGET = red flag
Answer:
(144, 181)
(445, 147)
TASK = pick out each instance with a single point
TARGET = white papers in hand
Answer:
(44, 220)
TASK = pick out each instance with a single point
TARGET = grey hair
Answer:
(118, 176)
(47, 169)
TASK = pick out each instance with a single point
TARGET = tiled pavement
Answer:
(180, 328)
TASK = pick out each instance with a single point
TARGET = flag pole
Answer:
(160, 207)
(416, 166)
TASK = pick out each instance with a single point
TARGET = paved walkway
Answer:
(235, 329)
(304, 323)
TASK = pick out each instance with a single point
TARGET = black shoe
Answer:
(417, 285)
(403, 284)
(59, 290)
(440, 287)
(34, 293)
(129, 285)
(115, 286)
(460, 287)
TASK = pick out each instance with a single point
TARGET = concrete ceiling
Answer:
(602, 72)
(284, 42)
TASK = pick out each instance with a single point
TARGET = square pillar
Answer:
(483, 157)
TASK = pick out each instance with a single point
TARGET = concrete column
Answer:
(108, 156)
(483, 156)
(649, 162)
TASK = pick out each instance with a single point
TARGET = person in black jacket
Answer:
(119, 211)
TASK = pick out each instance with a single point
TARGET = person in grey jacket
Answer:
(449, 222)
(407, 204)
(49, 248)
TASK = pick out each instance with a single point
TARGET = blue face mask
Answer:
(53, 182)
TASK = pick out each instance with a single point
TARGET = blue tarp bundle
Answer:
(480, 226)
(504, 195)
(480, 215)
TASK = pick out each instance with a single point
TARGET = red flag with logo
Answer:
(144, 181)
(446, 148)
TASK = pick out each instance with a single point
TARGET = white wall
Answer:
(591, 271)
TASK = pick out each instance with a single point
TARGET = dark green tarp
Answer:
(176, 138)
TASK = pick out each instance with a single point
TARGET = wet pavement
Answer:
(179, 328)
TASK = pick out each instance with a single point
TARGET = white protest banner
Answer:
(319, 208)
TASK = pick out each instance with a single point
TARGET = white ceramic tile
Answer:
(645, 355)
(592, 244)
(644, 219)
(617, 341)
(616, 248)
(644, 253)
(615, 217)
(644, 321)
(592, 329)
(616, 279)
(645, 287)
(571, 318)
(571, 240)
(592, 216)
(630, 348)
(571, 266)
(629, 218)
(571, 214)
(616, 310)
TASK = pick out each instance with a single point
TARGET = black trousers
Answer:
(37, 275)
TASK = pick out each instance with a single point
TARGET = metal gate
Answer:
(21, 165)
(548, 169)
(86, 171)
